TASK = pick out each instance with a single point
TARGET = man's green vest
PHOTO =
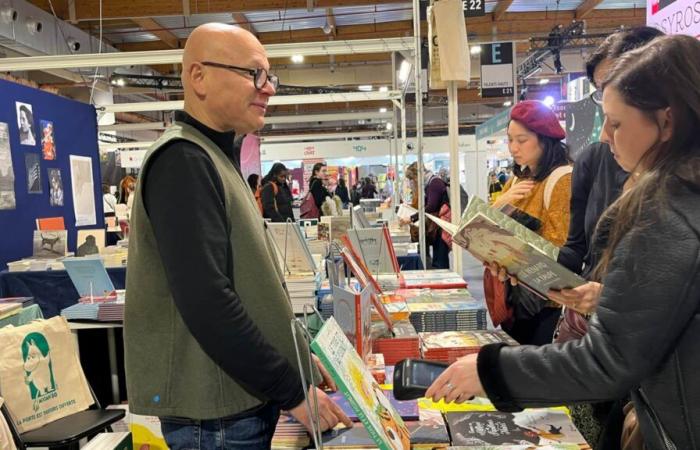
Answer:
(167, 372)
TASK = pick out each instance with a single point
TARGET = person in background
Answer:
(502, 177)
(495, 187)
(126, 188)
(254, 182)
(535, 142)
(369, 189)
(207, 337)
(109, 201)
(645, 336)
(388, 190)
(342, 192)
(276, 197)
(317, 184)
(356, 194)
(444, 174)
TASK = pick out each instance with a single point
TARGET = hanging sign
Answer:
(497, 69)
(674, 16)
(474, 8)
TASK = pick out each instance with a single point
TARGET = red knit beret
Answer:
(538, 118)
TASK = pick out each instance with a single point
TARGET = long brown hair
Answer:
(663, 74)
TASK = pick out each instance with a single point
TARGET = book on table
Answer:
(352, 310)
(493, 237)
(375, 411)
(375, 248)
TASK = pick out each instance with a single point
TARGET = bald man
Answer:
(207, 335)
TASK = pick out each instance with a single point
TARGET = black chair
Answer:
(66, 433)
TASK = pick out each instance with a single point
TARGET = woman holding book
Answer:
(540, 191)
(645, 336)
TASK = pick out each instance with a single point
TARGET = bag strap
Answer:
(552, 181)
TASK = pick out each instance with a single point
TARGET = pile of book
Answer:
(424, 435)
(290, 434)
(35, 264)
(403, 343)
(103, 311)
(448, 316)
(22, 301)
(416, 279)
(452, 345)
(9, 309)
(302, 289)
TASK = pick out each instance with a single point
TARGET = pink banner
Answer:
(250, 155)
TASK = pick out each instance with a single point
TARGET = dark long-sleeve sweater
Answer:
(319, 191)
(435, 196)
(193, 246)
(277, 207)
(596, 182)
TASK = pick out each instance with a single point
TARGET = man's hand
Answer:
(327, 379)
(516, 192)
(583, 299)
(330, 414)
(404, 221)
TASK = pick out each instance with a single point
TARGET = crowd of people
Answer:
(625, 215)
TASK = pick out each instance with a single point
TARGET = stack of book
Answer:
(9, 309)
(448, 316)
(424, 435)
(111, 312)
(408, 410)
(405, 343)
(102, 311)
(303, 290)
(416, 279)
(290, 434)
(452, 345)
(23, 301)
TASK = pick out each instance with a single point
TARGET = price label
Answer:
(474, 8)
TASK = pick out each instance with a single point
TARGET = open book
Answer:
(492, 236)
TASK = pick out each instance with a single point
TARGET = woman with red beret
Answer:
(541, 192)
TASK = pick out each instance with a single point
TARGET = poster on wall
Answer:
(48, 146)
(7, 173)
(25, 123)
(250, 156)
(83, 190)
(674, 16)
(31, 161)
(131, 159)
(55, 187)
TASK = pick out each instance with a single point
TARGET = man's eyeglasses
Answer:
(597, 97)
(260, 76)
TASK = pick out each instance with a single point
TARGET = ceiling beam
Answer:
(501, 8)
(90, 9)
(586, 8)
(157, 29)
(242, 21)
(511, 26)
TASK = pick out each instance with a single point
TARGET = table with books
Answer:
(52, 290)
(18, 311)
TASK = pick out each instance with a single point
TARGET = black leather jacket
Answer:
(644, 338)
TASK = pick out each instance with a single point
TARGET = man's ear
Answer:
(196, 74)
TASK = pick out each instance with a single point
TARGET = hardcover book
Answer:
(375, 411)
(374, 247)
(353, 311)
(493, 237)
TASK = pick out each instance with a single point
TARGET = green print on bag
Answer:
(38, 372)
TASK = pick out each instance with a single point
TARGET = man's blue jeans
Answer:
(249, 430)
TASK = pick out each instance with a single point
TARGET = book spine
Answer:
(359, 338)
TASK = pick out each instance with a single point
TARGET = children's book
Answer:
(375, 411)
(493, 237)
(89, 277)
(353, 312)
(292, 250)
(375, 248)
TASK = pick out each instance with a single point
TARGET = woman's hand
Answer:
(583, 299)
(516, 192)
(501, 273)
(404, 221)
(458, 383)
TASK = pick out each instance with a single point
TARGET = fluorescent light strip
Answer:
(336, 97)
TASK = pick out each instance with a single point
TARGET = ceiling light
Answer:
(404, 71)
(383, 89)
(327, 28)
(297, 59)
(544, 80)
(121, 82)
(389, 126)
(508, 104)
(365, 87)
(549, 101)
(475, 49)
(382, 110)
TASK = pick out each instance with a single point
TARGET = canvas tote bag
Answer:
(41, 378)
